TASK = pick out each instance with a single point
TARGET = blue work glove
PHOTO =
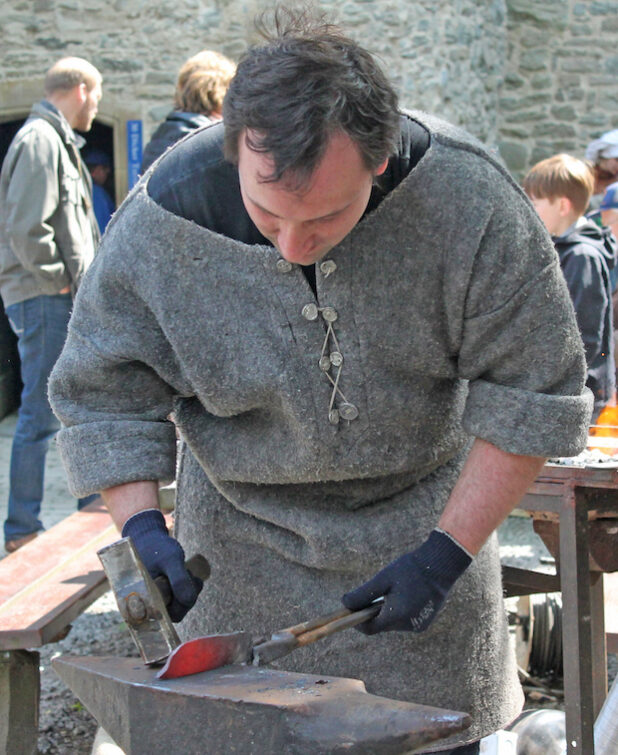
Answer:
(414, 586)
(163, 555)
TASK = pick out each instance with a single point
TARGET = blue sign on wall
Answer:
(134, 151)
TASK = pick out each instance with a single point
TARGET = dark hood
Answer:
(590, 233)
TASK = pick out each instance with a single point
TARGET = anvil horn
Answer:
(253, 710)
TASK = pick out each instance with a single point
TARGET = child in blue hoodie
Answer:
(560, 189)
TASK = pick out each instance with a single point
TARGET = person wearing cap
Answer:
(100, 168)
(198, 101)
(603, 154)
(48, 236)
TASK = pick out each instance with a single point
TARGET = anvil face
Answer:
(249, 710)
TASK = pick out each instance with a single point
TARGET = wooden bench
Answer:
(44, 586)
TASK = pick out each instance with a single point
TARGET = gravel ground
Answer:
(66, 727)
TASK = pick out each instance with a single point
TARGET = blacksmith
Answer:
(360, 328)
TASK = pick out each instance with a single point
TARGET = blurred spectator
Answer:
(560, 189)
(48, 236)
(100, 167)
(609, 209)
(603, 154)
(609, 218)
(201, 86)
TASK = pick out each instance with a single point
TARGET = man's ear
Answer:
(81, 92)
(381, 168)
(565, 206)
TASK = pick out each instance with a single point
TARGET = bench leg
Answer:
(19, 701)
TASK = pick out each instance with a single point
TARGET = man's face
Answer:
(100, 173)
(610, 219)
(89, 108)
(549, 212)
(304, 225)
(609, 165)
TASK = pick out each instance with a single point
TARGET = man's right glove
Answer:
(414, 586)
(163, 555)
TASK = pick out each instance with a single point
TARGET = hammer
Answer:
(142, 606)
(142, 601)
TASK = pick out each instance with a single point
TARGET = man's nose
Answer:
(293, 239)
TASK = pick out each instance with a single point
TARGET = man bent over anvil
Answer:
(360, 328)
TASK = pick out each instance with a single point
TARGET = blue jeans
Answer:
(40, 325)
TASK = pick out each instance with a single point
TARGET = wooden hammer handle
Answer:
(344, 622)
(197, 565)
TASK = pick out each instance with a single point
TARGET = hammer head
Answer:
(139, 600)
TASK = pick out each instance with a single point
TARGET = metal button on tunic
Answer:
(310, 312)
(336, 358)
(283, 266)
(329, 314)
(324, 363)
(348, 411)
(327, 267)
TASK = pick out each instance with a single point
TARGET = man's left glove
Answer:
(414, 586)
(163, 555)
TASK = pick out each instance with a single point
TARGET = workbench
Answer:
(581, 504)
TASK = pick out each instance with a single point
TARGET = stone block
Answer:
(528, 116)
(541, 152)
(52, 43)
(603, 9)
(532, 37)
(534, 60)
(564, 112)
(514, 132)
(581, 30)
(514, 155)
(574, 94)
(541, 81)
(598, 120)
(514, 81)
(580, 65)
(555, 130)
(551, 13)
(610, 65)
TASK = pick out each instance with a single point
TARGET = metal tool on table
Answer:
(142, 606)
(142, 601)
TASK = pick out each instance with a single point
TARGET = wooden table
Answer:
(573, 497)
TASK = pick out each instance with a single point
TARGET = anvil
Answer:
(249, 710)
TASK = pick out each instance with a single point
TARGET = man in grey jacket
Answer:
(48, 235)
(361, 330)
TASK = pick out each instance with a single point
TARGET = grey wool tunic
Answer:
(446, 317)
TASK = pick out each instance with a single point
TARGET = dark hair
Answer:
(306, 83)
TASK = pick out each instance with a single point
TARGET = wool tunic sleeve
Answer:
(111, 389)
(520, 345)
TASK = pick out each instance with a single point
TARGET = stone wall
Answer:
(532, 76)
(561, 78)
(445, 57)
